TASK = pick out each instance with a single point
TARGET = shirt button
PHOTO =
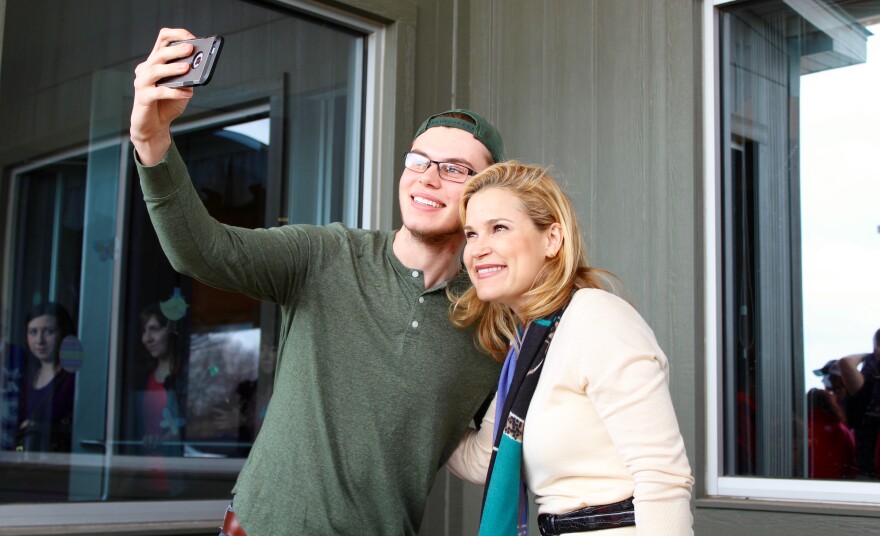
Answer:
(415, 273)
(415, 324)
(421, 299)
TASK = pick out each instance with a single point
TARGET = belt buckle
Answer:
(545, 525)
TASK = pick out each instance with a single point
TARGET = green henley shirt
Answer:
(374, 385)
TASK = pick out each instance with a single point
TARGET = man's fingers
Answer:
(147, 74)
(160, 63)
(161, 70)
(168, 35)
(158, 93)
(166, 54)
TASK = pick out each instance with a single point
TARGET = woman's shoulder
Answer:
(601, 315)
(596, 302)
(65, 375)
(66, 379)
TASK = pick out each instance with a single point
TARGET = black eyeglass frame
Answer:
(441, 171)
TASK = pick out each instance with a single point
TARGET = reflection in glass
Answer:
(38, 388)
(139, 431)
(801, 243)
(192, 376)
(841, 235)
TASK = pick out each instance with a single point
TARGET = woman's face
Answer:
(43, 339)
(155, 337)
(504, 251)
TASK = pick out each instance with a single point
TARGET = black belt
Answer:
(606, 516)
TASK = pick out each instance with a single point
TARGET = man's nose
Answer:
(432, 175)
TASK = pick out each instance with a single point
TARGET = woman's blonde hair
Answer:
(544, 202)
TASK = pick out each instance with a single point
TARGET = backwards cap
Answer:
(481, 129)
(831, 368)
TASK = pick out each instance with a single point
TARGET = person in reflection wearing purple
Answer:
(860, 374)
(582, 417)
(47, 394)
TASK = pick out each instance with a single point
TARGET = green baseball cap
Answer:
(481, 129)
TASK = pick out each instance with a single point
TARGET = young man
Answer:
(374, 385)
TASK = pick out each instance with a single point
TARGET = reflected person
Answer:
(159, 401)
(861, 378)
(160, 405)
(47, 395)
(831, 445)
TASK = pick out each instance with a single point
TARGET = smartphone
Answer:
(202, 61)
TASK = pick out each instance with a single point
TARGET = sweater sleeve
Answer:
(470, 460)
(625, 375)
(263, 263)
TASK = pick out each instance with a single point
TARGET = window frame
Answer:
(748, 491)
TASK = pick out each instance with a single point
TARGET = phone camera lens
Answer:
(197, 60)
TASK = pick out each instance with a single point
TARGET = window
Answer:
(37, 414)
(197, 363)
(278, 136)
(797, 233)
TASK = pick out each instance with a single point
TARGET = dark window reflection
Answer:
(41, 356)
(193, 384)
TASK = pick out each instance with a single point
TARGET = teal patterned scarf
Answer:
(505, 500)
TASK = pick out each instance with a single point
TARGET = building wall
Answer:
(606, 94)
(609, 94)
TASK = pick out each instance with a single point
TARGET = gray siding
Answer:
(604, 93)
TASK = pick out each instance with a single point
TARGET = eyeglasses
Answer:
(447, 170)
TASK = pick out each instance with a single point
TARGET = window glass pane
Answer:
(841, 243)
(275, 137)
(191, 375)
(801, 239)
(38, 383)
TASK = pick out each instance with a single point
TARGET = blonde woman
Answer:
(582, 416)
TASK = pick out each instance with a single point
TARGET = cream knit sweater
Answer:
(601, 425)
